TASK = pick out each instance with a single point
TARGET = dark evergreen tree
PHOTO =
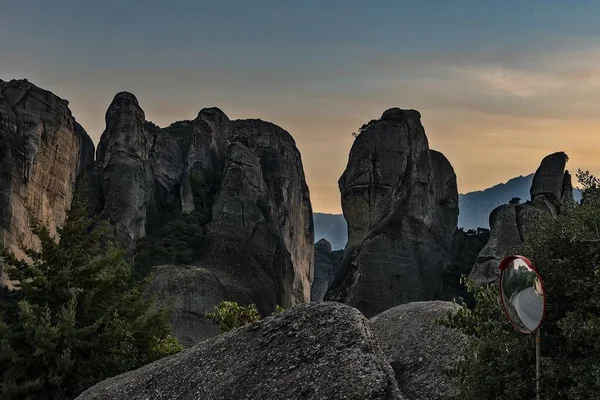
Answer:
(76, 316)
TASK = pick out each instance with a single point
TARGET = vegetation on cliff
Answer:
(77, 316)
(500, 363)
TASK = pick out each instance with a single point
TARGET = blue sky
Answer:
(494, 80)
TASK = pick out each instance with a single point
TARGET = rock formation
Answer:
(511, 223)
(42, 151)
(314, 351)
(326, 267)
(401, 204)
(419, 349)
(244, 182)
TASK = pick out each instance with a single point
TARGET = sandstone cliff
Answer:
(42, 151)
(400, 202)
(511, 223)
(238, 185)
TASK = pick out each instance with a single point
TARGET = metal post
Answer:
(538, 357)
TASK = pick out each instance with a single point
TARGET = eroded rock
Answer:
(510, 224)
(420, 350)
(313, 351)
(42, 152)
(400, 202)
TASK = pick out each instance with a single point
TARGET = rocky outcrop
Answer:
(243, 181)
(314, 351)
(510, 224)
(125, 173)
(326, 267)
(400, 202)
(42, 152)
(420, 350)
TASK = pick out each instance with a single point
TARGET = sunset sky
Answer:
(499, 84)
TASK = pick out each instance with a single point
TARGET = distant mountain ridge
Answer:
(475, 208)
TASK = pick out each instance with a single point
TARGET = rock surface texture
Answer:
(42, 152)
(511, 223)
(315, 351)
(245, 182)
(419, 349)
(326, 267)
(401, 204)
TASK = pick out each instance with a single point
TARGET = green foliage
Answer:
(176, 242)
(515, 200)
(278, 310)
(364, 127)
(229, 315)
(177, 239)
(499, 362)
(76, 316)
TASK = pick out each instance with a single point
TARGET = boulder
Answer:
(510, 224)
(43, 150)
(313, 351)
(400, 202)
(419, 349)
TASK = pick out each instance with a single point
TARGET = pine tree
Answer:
(76, 316)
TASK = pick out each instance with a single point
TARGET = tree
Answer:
(76, 316)
(499, 362)
(515, 200)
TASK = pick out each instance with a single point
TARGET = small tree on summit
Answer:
(515, 200)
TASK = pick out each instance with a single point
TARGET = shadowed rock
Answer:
(419, 349)
(510, 224)
(326, 267)
(400, 202)
(315, 351)
(243, 180)
(42, 152)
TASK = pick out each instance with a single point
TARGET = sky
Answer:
(499, 84)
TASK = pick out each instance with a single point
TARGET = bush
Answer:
(500, 363)
(76, 316)
(229, 315)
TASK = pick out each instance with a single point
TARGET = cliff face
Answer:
(511, 223)
(400, 202)
(242, 180)
(42, 151)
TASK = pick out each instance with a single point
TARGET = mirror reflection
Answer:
(522, 295)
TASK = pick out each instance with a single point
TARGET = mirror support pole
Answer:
(538, 356)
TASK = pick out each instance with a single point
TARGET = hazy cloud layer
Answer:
(499, 85)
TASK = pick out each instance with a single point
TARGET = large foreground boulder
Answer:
(420, 350)
(401, 204)
(314, 351)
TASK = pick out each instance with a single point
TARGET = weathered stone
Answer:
(548, 180)
(326, 267)
(126, 175)
(289, 196)
(192, 292)
(400, 202)
(245, 181)
(420, 350)
(42, 152)
(511, 224)
(314, 351)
